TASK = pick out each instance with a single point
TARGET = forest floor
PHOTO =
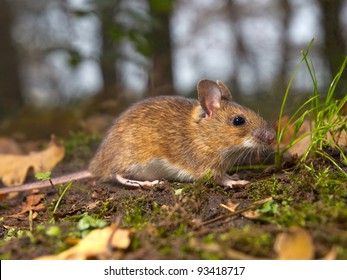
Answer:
(297, 212)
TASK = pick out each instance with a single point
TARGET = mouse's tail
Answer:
(45, 184)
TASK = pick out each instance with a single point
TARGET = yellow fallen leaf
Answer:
(340, 137)
(331, 255)
(251, 214)
(301, 146)
(9, 146)
(95, 245)
(230, 205)
(14, 168)
(294, 245)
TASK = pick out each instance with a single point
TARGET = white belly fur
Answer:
(158, 169)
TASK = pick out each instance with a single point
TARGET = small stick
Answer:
(249, 207)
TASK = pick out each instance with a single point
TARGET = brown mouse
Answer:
(179, 139)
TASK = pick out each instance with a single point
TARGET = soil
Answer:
(174, 220)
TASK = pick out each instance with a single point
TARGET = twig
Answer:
(249, 207)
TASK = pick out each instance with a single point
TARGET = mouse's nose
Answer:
(264, 135)
(269, 136)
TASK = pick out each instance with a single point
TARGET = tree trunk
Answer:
(11, 98)
(280, 82)
(108, 54)
(160, 76)
(334, 46)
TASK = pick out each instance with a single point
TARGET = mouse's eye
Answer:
(238, 121)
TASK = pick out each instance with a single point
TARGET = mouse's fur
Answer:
(180, 139)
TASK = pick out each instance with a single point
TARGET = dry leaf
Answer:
(32, 203)
(294, 245)
(300, 147)
(331, 255)
(94, 245)
(14, 168)
(72, 240)
(9, 146)
(251, 214)
(230, 205)
(340, 138)
(93, 204)
(165, 207)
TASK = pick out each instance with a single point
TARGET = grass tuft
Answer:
(326, 121)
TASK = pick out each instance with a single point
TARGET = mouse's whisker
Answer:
(229, 159)
(241, 157)
(250, 156)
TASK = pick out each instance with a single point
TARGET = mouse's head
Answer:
(233, 125)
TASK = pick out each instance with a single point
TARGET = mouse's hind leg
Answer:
(136, 183)
(227, 181)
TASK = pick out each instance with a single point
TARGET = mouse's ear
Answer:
(210, 95)
(225, 91)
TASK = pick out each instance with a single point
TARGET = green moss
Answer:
(341, 252)
(302, 197)
(250, 240)
(53, 231)
(6, 256)
(135, 212)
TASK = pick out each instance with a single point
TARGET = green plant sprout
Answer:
(44, 176)
(66, 188)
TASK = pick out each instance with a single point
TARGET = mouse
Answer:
(178, 139)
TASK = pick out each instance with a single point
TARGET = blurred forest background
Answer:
(56, 53)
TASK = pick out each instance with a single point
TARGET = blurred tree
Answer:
(138, 33)
(286, 13)
(245, 60)
(334, 44)
(109, 44)
(10, 83)
(241, 51)
(160, 74)
(45, 37)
